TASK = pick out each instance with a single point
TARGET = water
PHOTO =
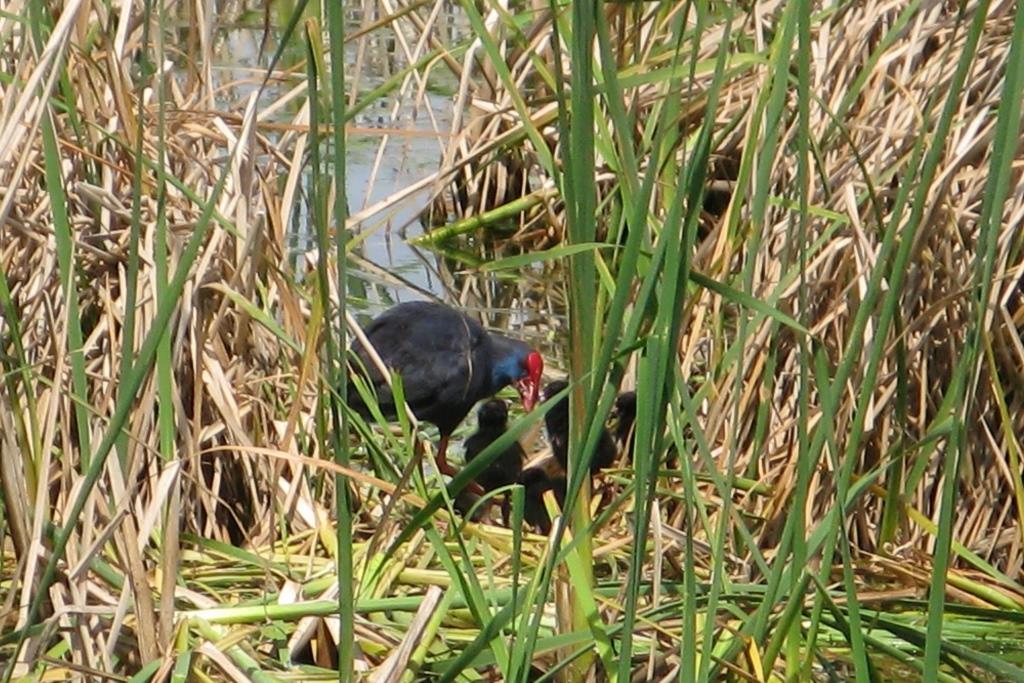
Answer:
(392, 145)
(383, 160)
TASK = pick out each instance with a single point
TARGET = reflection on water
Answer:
(393, 143)
(383, 159)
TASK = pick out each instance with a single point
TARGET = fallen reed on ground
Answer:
(810, 269)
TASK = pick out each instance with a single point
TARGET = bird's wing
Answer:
(434, 353)
(439, 368)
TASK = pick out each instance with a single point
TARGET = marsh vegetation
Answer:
(793, 228)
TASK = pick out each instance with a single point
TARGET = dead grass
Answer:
(881, 125)
(231, 505)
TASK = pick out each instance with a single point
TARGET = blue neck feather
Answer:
(506, 370)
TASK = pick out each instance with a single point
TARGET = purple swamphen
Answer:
(537, 480)
(536, 483)
(448, 362)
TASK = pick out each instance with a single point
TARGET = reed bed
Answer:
(793, 228)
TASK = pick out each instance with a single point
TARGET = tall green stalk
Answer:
(322, 179)
(967, 373)
(335, 363)
(581, 202)
(171, 513)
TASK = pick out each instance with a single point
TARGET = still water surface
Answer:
(392, 144)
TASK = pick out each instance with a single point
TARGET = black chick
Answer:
(536, 483)
(492, 422)
(556, 423)
(623, 418)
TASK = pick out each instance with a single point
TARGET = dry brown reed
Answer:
(243, 391)
(882, 125)
(234, 382)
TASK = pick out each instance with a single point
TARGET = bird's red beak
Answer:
(529, 386)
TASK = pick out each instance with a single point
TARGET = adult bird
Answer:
(447, 361)
(556, 423)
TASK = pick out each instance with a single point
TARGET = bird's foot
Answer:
(472, 487)
(475, 488)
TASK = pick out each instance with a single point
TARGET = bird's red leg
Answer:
(444, 468)
(442, 458)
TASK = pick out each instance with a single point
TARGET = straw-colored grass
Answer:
(878, 130)
(203, 547)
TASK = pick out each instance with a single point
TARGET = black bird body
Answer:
(624, 417)
(504, 469)
(492, 422)
(536, 483)
(556, 422)
(448, 362)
